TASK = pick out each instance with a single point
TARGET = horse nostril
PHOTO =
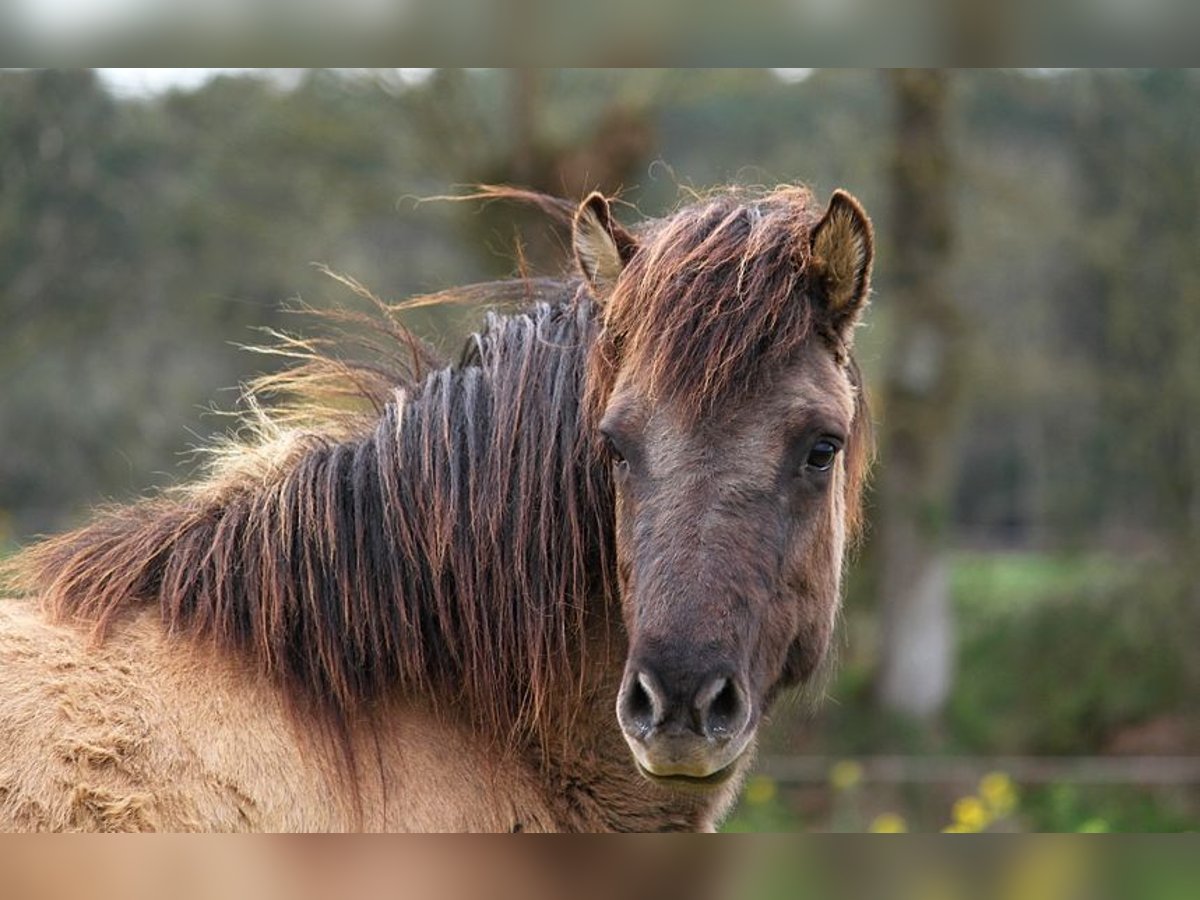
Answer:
(640, 704)
(720, 708)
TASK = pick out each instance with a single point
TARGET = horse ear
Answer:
(842, 248)
(602, 247)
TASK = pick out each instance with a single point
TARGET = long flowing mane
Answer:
(402, 520)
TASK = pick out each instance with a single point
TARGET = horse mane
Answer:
(392, 518)
(389, 520)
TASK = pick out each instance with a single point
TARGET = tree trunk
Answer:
(920, 397)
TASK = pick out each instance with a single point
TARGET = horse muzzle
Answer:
(688, 731)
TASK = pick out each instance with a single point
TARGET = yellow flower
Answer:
(998, 794)
(760, 790)
(970, 813)
(845, 774)
(888, 823)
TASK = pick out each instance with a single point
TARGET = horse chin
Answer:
(692, 769)
(690, 783)
(700, 784)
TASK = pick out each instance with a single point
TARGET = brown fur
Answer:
(711, 306)
(724, 361)
(406, 567)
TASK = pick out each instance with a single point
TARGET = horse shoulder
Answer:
(135, 734)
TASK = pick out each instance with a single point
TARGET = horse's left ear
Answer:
(602, 247)
(842, 248)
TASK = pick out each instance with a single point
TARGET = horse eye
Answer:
(822, 455)
(614, 451)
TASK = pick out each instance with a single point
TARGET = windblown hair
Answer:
(437, 526)
(446, 527)
(712, 299)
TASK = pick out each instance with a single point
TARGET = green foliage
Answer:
(1056, 655)
(140, 240)
(1092, 809)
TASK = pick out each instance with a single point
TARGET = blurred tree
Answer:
(559, 146)
(139, 239)
(68, 243)
(921, 394)
(1139, 273)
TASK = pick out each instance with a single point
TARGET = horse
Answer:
(555, 585)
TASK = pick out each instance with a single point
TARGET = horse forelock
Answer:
(713, 297)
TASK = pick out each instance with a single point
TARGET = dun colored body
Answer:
(553, 586)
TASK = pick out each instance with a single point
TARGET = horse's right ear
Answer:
(602, 247)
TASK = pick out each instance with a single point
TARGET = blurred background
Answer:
(1019, 646)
